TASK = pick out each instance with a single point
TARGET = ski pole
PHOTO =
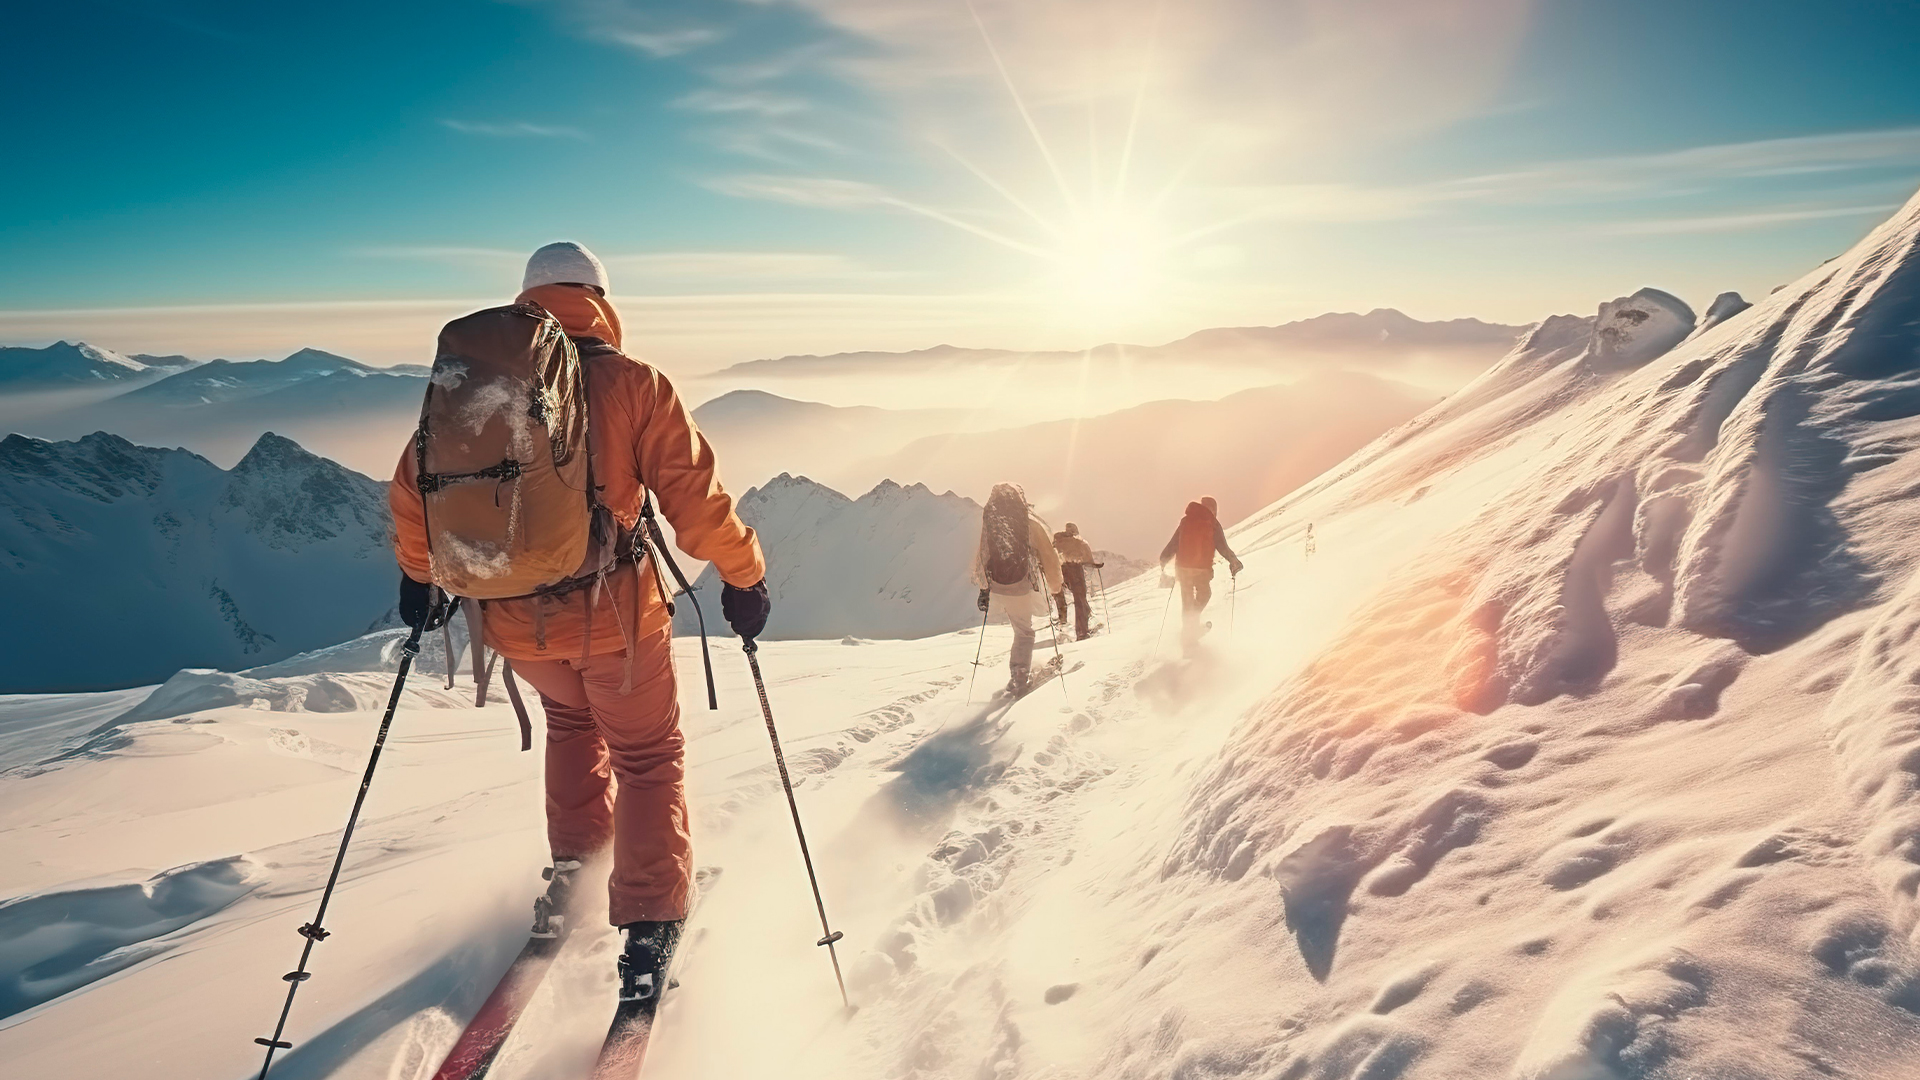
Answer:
(1059, 661)
(976, 655)
(1233, 604)
(779, 759)
(1164, 609)
(1105, 611)
(313, 931)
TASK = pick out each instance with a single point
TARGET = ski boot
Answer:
(550, 908)
(643, 964)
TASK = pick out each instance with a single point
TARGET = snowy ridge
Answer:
(1675, 543)
(893, 563)
(181, 564)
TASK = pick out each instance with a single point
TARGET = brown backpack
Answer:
(502, 458)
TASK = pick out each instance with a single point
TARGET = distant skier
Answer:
(1013, 560)
(1195, 542)
(1311, 546)
(1075, 556)
(596, 644)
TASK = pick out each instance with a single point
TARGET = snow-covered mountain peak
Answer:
(292, 497)
(786, 493)
(105, 356)
(321, 361)
(892, 563)
(1632, 330)
(64, 364)
(1724, 307)
(275, 452)
(889, 492)
(1556, 332)
(172, 362)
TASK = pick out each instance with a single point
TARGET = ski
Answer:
(474, 1053)
(625, 1048)
(479, 1044)
(1041, 675)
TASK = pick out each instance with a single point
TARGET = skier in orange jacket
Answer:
(601, 658)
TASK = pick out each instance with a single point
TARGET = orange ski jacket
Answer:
(642, 438)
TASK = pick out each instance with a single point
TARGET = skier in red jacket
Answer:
(1195, 542)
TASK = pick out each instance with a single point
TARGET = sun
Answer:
(1109, 262)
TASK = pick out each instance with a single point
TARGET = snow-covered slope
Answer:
(123, 563)
(1580, 748)
(893, 563)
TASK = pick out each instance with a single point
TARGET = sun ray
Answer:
(1039, 141)
(1003, 191)
(1139, 105)
(968, 226)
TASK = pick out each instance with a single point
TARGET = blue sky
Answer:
(812, 175)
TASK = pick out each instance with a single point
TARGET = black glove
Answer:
(986, 599)
(1099, 566)
(746, 609)
(418, 608)
(1235, 567)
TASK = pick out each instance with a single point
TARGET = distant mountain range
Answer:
(121, 564)
(1384, 341)
(352, 412)
(63, 366)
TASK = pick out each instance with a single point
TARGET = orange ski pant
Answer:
(616, 774)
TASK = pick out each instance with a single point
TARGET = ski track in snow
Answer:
(1583, 748)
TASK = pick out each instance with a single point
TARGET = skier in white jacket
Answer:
(1015, 559)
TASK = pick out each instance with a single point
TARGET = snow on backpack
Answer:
(1009, 550)
(502, 458)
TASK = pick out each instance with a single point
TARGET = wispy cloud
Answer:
(656, 29)
(662, 43)
(1690, 170)
(777, 145)
(757, 103)
(1763, 219)
(516, 129)
(820, 192)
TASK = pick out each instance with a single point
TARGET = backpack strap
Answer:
(519, 706)
(477, 631)
(483, 672)
(446, 640)
(651, 525)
